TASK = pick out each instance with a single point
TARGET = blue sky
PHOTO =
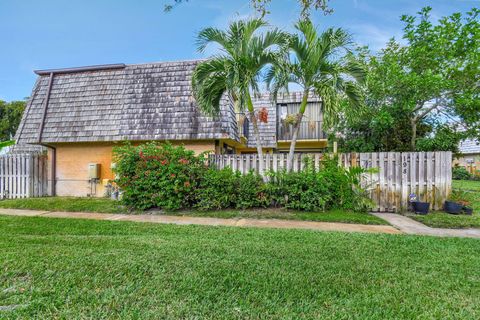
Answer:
(67, 33)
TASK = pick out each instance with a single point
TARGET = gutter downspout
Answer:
(53, 170)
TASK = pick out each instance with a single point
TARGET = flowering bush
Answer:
(171, 178)
(158, 175)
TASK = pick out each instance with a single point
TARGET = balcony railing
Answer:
(309, 130)
(243, 125)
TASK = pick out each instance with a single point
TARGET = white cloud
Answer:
(373, 36)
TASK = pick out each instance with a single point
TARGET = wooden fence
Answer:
(426, 174)
(23, 175)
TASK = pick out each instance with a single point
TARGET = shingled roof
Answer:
(150, 101)
(469, 146)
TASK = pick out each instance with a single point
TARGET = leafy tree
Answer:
(236, 69)
(413, 89)
(444, 139)
(315, 62)
(261, 6)
(10, 116)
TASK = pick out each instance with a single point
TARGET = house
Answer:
(470, 156)
(77, 115)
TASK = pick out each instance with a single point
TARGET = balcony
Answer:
(309, 130)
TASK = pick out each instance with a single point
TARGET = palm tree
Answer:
(236, 69)
(320, 64)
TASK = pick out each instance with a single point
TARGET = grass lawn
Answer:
(109, 206)
(469, 190)
(102, 205)
(77, 269)
(328, 216)
(466, 185)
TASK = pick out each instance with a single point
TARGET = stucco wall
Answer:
(72, 166)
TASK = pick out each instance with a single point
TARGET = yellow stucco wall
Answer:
(72, 177)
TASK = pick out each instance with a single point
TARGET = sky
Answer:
(71, 33)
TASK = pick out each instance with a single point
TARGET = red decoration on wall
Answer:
(263, 115)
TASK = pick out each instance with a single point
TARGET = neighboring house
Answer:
(78, 115)
(470, 155)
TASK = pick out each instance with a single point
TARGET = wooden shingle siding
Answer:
(140, 102)
(268, 131)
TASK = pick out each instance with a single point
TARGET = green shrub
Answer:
(221, 189)
(153, 175)
(171, 178)
(460, 173)
(251, 192)
(313, 189)
(217, 189)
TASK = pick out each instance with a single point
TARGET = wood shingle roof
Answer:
(138, 102)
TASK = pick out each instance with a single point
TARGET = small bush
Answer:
(331, 186)
(460, 173)
(216, 190)
(153, 175)
(251, 192)
(221, 189)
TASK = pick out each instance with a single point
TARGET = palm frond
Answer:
(212, 35)
(209, 83)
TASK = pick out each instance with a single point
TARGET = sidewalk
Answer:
(410, 226)
(399, 224)
(184, 220)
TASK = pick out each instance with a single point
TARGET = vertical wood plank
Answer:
(390, 176)
(404, 184)
(382, 181)
(421, 176)
(436, 181)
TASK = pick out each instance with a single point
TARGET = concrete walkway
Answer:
(400, 224)
(410, 226)
(185, 220)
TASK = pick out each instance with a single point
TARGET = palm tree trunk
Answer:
(256, 132)
(296, 129)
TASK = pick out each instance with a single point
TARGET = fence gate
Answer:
(23, 175)
(399, 174)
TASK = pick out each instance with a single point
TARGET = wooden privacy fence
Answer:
(23, 175)
(426, 174)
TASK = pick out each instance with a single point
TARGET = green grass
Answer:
(467, 190)
(79, 269)
(328, 216)
(104, 205)
(466, 185)
(8, 143)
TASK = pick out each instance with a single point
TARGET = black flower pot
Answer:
(420, 207)
(468, 211)
(452, 207)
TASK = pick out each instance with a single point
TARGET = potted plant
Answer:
(417, 206)
(452, 207)
(421, 207)
(468, 210)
